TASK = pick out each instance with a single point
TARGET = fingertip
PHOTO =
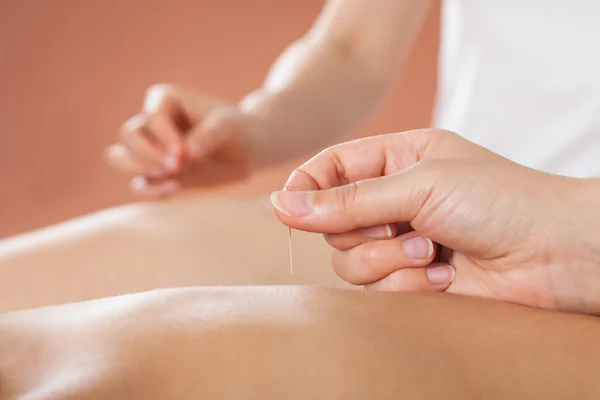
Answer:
(133, 124)
(171, 162)
(392, 230)
(379, 232)
(138, 184)
(441, 274)
(293, 204)
(142, 186)
(418, 247)
(111, 152)
(275, 201)
(435, 278)
(349, 240)
(300, 180)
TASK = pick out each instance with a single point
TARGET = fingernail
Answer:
(138, 183)
(418, 248)
(294, 204)
(171, 162)
(378, 232)
(441, 274)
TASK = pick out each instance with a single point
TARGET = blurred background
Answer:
(72, 71)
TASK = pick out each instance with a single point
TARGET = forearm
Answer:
(293, 342)
(327, 83)
(313, 95)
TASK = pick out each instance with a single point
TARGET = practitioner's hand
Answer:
(506, 231)
(183, 139)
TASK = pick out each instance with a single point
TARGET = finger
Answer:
(371, 261)
(394, 198)
(301, 180)
(136, 137)
(165, 132)
(164, 107)
(120, 157)
(361, 159)
(436, 277)
(348, 240)
(142, 186)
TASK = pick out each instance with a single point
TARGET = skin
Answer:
(322, 86)
(268, 342)
(505, 231)
(297, 343)
(263, 342)
(546, 262)
(191, 240)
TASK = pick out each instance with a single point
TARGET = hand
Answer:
(504, 231)
(183, 139)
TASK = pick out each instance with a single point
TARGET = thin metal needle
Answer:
(290, 241)
(286, 187)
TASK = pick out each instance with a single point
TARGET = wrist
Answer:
(581, 223)
(584, 202)
(261, 139)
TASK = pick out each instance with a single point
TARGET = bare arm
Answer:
(333, 78)
(297, 343)
(323, 86)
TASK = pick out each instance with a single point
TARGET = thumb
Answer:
(377, 201)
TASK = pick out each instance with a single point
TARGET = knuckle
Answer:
(346, 198)
(340, 170)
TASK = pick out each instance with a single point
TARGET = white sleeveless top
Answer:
(522, 78)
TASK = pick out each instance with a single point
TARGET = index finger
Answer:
(161, 108)
(358, 160)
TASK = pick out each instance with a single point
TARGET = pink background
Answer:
(72, 71)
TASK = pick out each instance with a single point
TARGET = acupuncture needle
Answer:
(290, 242)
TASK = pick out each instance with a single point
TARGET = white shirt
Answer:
(522, 78)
